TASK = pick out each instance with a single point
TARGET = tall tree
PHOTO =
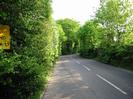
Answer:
(115, 18)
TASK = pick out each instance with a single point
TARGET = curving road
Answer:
(78, 78)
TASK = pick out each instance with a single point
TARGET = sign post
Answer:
(4, 37)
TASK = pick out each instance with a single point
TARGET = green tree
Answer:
(109, 35)
(70, 27)
(115, 17)
(89, 39)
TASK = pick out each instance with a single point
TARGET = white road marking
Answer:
(112, 84)
(83, 65)
(86, 67)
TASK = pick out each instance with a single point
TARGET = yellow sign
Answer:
(4, 37)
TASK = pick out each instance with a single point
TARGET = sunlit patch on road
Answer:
(64, 61)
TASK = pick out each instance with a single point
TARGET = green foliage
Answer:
(110, 36)
(62, 38)
(37, 41)
(70, 28)
(34, 48)
(88, 35)
(115, 17)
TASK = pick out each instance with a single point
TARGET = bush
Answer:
(34, 47)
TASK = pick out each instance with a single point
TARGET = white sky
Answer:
(80, 10)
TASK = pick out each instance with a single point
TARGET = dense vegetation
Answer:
(34, 47)
(89, 42)
(70, 28)
(37, 41)
(109, 36)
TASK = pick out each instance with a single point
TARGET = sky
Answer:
(80, 10)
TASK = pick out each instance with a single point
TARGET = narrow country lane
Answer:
(78, 78)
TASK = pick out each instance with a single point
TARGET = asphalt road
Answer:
(78, 78)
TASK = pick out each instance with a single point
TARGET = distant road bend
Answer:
(78, 78)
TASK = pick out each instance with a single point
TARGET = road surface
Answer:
(78, 78)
